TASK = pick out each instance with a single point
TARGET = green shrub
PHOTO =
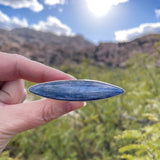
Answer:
(122, 127)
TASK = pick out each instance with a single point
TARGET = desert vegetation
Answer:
(124, 127)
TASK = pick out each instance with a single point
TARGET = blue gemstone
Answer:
(76, 90)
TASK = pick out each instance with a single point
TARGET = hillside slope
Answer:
(55, 50)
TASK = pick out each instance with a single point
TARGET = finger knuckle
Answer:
(48, 112)
(11, 100)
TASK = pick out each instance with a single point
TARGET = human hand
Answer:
(15, 116)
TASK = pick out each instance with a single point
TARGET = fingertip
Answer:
(72, 77)
(71, 106)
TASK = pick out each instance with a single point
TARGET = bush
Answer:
(122, 127)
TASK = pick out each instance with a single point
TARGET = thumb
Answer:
(26, 116)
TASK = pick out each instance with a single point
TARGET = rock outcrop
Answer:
(55, 50)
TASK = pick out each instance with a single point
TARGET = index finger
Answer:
(13, 66)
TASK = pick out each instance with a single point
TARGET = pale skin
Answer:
(16, 116)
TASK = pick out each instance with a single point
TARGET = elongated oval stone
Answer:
(76, 90)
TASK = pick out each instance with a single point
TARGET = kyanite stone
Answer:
(76, 90)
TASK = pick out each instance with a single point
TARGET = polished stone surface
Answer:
(76, 90)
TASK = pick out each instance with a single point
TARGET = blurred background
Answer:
(114, 41)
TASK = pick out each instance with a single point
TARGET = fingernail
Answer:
(25, 91)
(84, 104)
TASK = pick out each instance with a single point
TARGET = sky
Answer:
(96, 20)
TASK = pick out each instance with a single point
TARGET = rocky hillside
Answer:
(116, 54)
(44, 47)
(55, 50)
